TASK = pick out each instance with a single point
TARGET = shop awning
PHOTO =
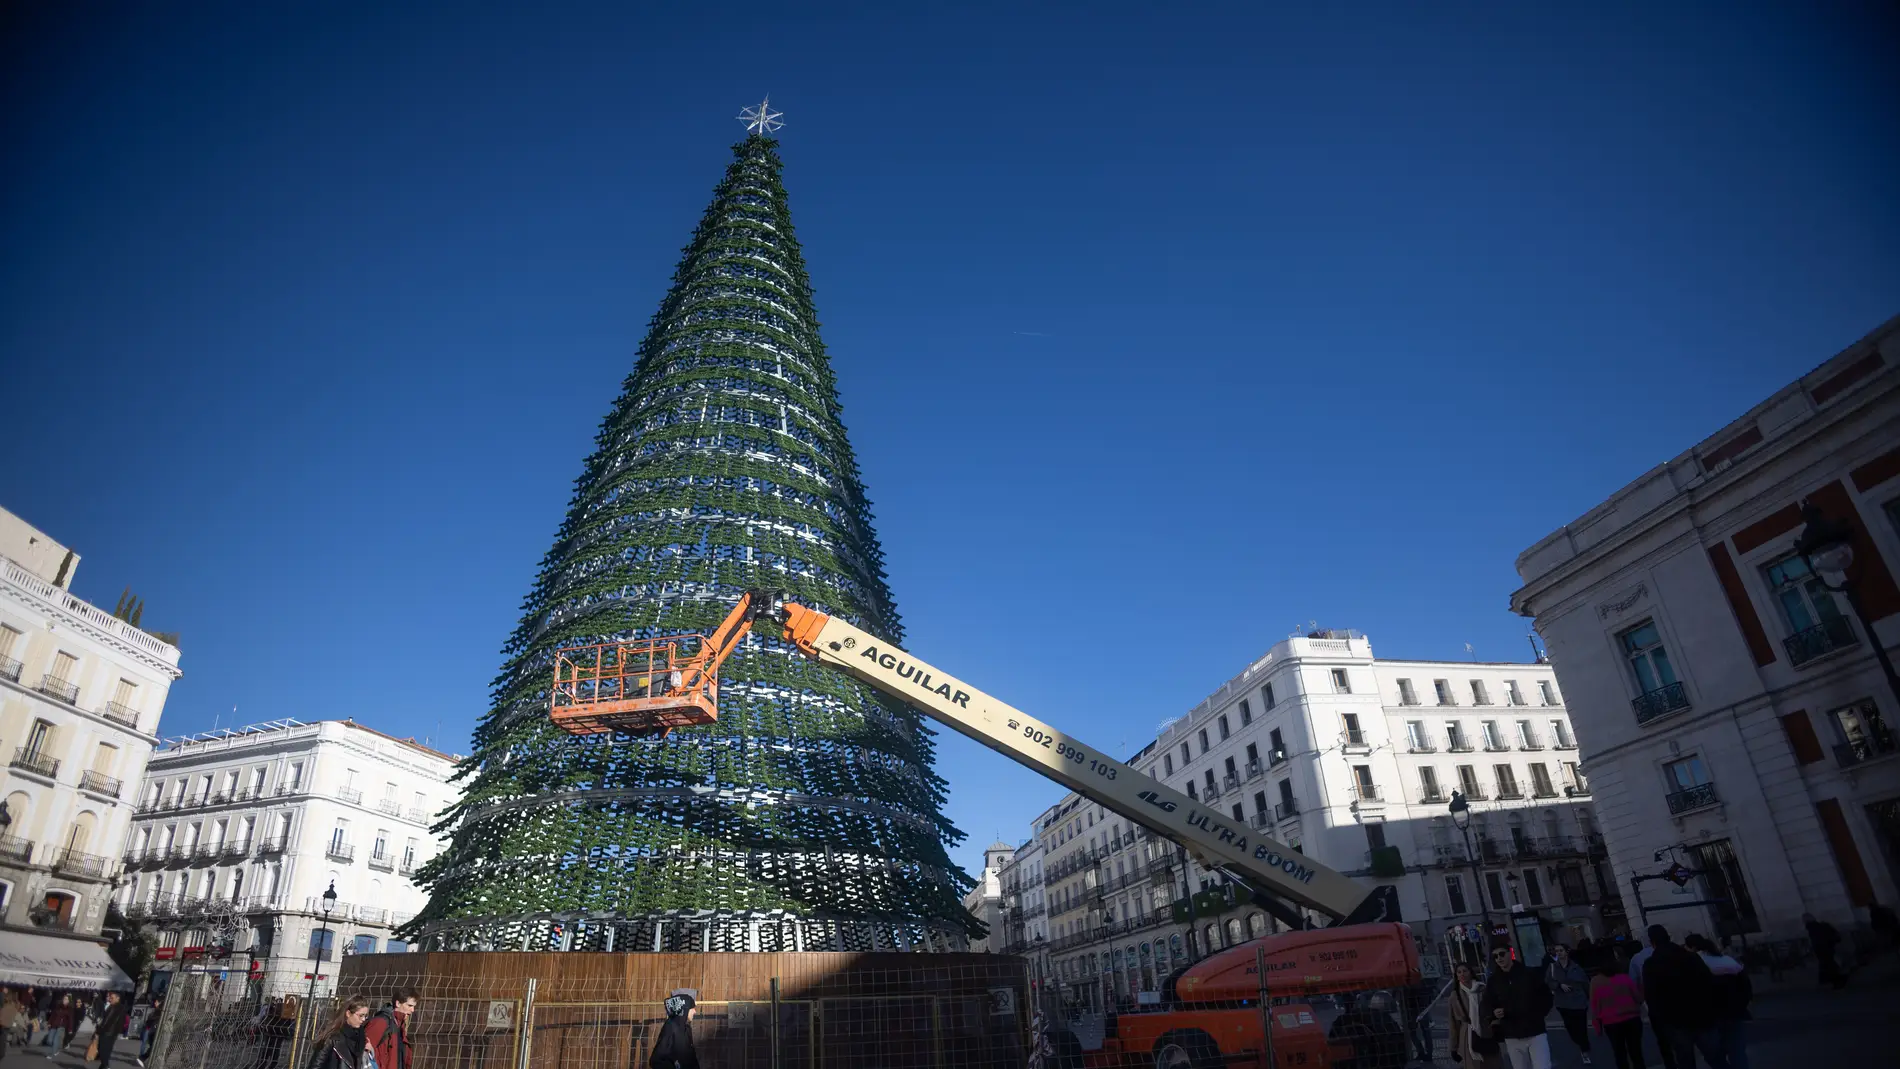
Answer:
(49, 961)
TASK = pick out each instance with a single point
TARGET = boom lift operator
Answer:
(651, 686)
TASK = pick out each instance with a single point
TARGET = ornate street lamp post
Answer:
(319, 951)
(1461, 816)
(1827, 545)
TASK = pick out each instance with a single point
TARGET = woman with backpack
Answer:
(1616, 1011)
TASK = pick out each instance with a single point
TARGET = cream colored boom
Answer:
(1214, 837)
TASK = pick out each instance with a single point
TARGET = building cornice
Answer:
(89, 620)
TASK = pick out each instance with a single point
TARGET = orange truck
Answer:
(1209, 1011)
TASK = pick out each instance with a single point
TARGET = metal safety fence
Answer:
(604, 1011)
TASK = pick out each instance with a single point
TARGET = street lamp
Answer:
(1827, 545)
(322, 945)
(1461, 816)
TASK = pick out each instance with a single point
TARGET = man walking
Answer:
(1515, 1002)
(111, 1023)
(1824, 939)
(1683, 1006)
(388, 1032)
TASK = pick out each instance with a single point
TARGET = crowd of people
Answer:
(1696, 997)
(47, 1022)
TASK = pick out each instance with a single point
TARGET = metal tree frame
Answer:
(807, 816)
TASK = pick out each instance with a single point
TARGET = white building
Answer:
(1351, 760)
(80, 696)
(1733, 712)
(1023, 918)
(239, 834)
(985, 900)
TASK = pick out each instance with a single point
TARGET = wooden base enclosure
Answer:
(757, 1011)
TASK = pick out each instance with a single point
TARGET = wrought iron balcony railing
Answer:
(1697, 797)
(18, 851)
(35, 762)
(340, 851)
(79, 863)
(9, 669)
(1286, 810)
(59, 689)
(1660, 702)
(118, 712)
(100, 783)
(1823, 638)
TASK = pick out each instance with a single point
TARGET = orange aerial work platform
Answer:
(646, 686)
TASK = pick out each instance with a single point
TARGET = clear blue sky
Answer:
(1158, 333)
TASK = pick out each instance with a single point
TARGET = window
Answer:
(1260, 802)
(363, 944)
(1276, 749)
(1246, 713)
(321, 942)
(296, 775)
(1649, 662)
(1468, 781)
(1511, 694)
(1540, 781)
(1341, 685)
(1211, 789)
(1190, 790)
(63, 665)
(1863, 731)
(1455, 892)
(37, 738)
(1362, 782)
(1286, 796)
(1443, 687)
(1686, 773)
(1224, 733)
(1479, 695)
(1266, 696)
(1494, 884)
(1533, 890)
(1167, 764)
(1543, 688)
(123, 697)
(1407, 696)
(9, 639)
(1507, 781)
(1428, 780)
(1723, 885)
(1354, 736)
(1493, 738)
(1560, 731)
(395, 946)
(1527, 736)
(1455, 736)
(1238, 815)
(1253, 757)
(1805, 601)
(1203, 740)
(1232, 774)
(1184, 755)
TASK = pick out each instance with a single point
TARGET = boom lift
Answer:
(649, 686)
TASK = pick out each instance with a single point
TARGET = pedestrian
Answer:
(10, 1017)
(1825, 940)
(341, 1045)
(1472, 1045)
(1885, 924)
(60, 1023)
(1616, 1013)
(1569, 984)
(1585, 954)
(1415, 1003)
(1733, 992)
(1680, 991)
(148, 1031)
(388, 1031)
(111, 1024)
(673, 1048)
(1515, 1003)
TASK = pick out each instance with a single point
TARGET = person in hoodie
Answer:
(674, 1047)
(1733, 992)
(1683, 1008)
(1569, 984)
(1616, 1010)
(1515, 1003)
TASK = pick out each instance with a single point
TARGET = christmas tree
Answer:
(807, 816)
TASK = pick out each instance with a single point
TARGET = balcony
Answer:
(1434, 796)
(415, 816)
(1422, 746)
(408, 866)
(1354, 742)
(1261, 820)
(178, 852)
(1161, 866)
(35, 762)
(382, 859)
(1877, 742)
(1564, 742)
(1276, 757)
(1576, 790)
(1496, 746)
(1543, 790)
(1459, 744)
(340, 851)
(1255, 770)
(1529, 742)
(273, 844)
(18, 851)
(237, 848)
(1700, 796)
(82, 865)
(1230, 782)
(390, 806)
(1493, 851)
(208, 851)
(9, 669)
(1821, 639)
(1366, 796)
(1210, 794)
(118, 713)
(59, 690)
(1472, 792)
(1286, 810)
(1510, 792)
(99, 783)
(1660, 702)
(350, 795)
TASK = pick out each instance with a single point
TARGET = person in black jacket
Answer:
(111, 1023)
(1684, 1007)
(341, 1045)
(1516, 1001)
(673, 1049)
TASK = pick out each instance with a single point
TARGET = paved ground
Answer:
(73, 1058)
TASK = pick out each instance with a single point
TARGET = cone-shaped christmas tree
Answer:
(807, 816)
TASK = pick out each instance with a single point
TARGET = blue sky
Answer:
(1158, 334)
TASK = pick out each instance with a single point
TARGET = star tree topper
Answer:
(761, 120)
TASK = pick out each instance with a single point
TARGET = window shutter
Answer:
(1807, 747)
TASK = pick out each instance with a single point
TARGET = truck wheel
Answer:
(1187, 1050)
